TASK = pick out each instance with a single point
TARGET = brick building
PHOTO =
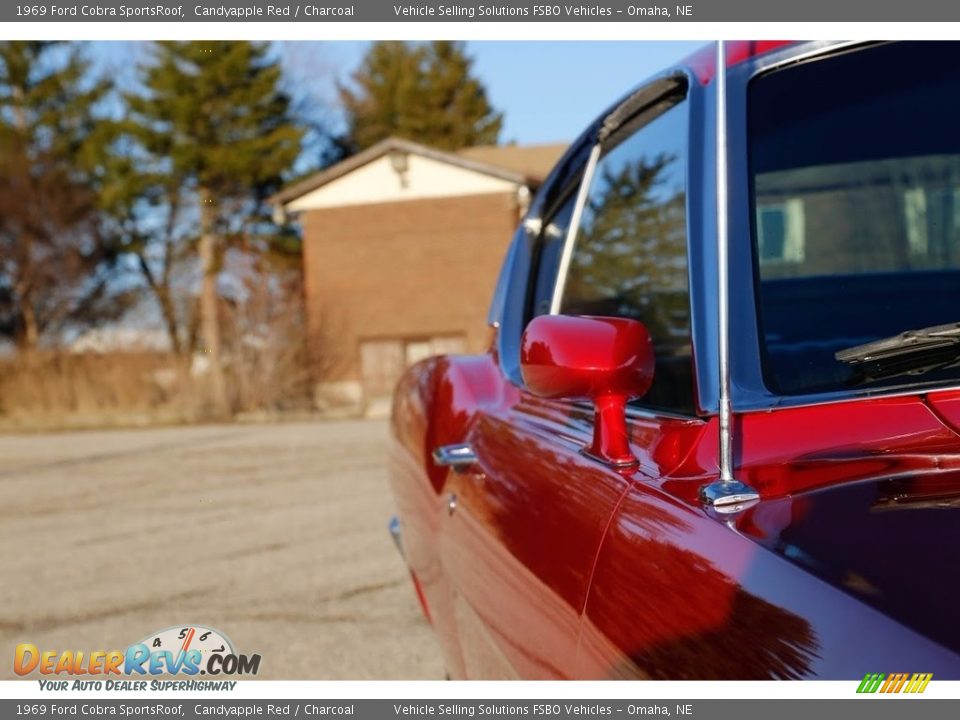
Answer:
(402, 245)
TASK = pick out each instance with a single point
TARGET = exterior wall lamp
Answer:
(400, 163)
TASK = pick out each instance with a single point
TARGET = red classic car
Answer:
(717, 432)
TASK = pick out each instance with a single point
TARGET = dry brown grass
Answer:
(271, 365)
(53, 388)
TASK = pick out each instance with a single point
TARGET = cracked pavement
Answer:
(275, 534)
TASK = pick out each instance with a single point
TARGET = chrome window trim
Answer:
(775, 60)
(499, 300)
(568, 242)
(789, 402)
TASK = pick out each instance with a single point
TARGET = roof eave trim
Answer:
(383, 147)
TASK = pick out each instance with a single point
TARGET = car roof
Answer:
(703, 62)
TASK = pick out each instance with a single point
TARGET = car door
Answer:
(527, 510)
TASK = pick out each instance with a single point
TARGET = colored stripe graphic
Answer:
(894, 682)
(921, 682)
(871, 682)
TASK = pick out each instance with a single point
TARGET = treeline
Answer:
(152, 201)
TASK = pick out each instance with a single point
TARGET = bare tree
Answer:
(53, 255)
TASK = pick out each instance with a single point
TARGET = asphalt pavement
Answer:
(275, 534)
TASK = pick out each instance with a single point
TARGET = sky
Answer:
(548, 91)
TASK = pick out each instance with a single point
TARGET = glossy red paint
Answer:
(750, 596)
(586, 357)
(421, 598)
(530, 502)
(794, 450)
(609, 360)
(677, 596)
(555, 566)
(946, 406)
(503, 603)
(500, 602)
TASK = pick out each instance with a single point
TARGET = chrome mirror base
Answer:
(728, 496)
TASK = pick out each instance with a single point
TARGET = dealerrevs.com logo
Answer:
(183, 650)
(894, 682)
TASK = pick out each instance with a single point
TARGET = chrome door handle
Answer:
(460, 455)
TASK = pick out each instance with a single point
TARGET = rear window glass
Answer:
(855, 171)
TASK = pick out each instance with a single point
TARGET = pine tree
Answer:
(632, 244)
(215, 120)
(424, 93)
(53, 140)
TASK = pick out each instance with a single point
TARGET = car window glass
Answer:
(630, 254)
(855, 168)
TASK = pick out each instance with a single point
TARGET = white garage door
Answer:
(383, 360)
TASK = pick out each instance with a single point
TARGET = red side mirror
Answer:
(608, 360)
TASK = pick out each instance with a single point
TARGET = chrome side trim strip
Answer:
(397, 534)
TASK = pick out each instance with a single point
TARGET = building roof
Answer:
(532, 161)
(524, 165)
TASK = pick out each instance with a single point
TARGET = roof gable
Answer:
(371, 177)
(378, 182)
